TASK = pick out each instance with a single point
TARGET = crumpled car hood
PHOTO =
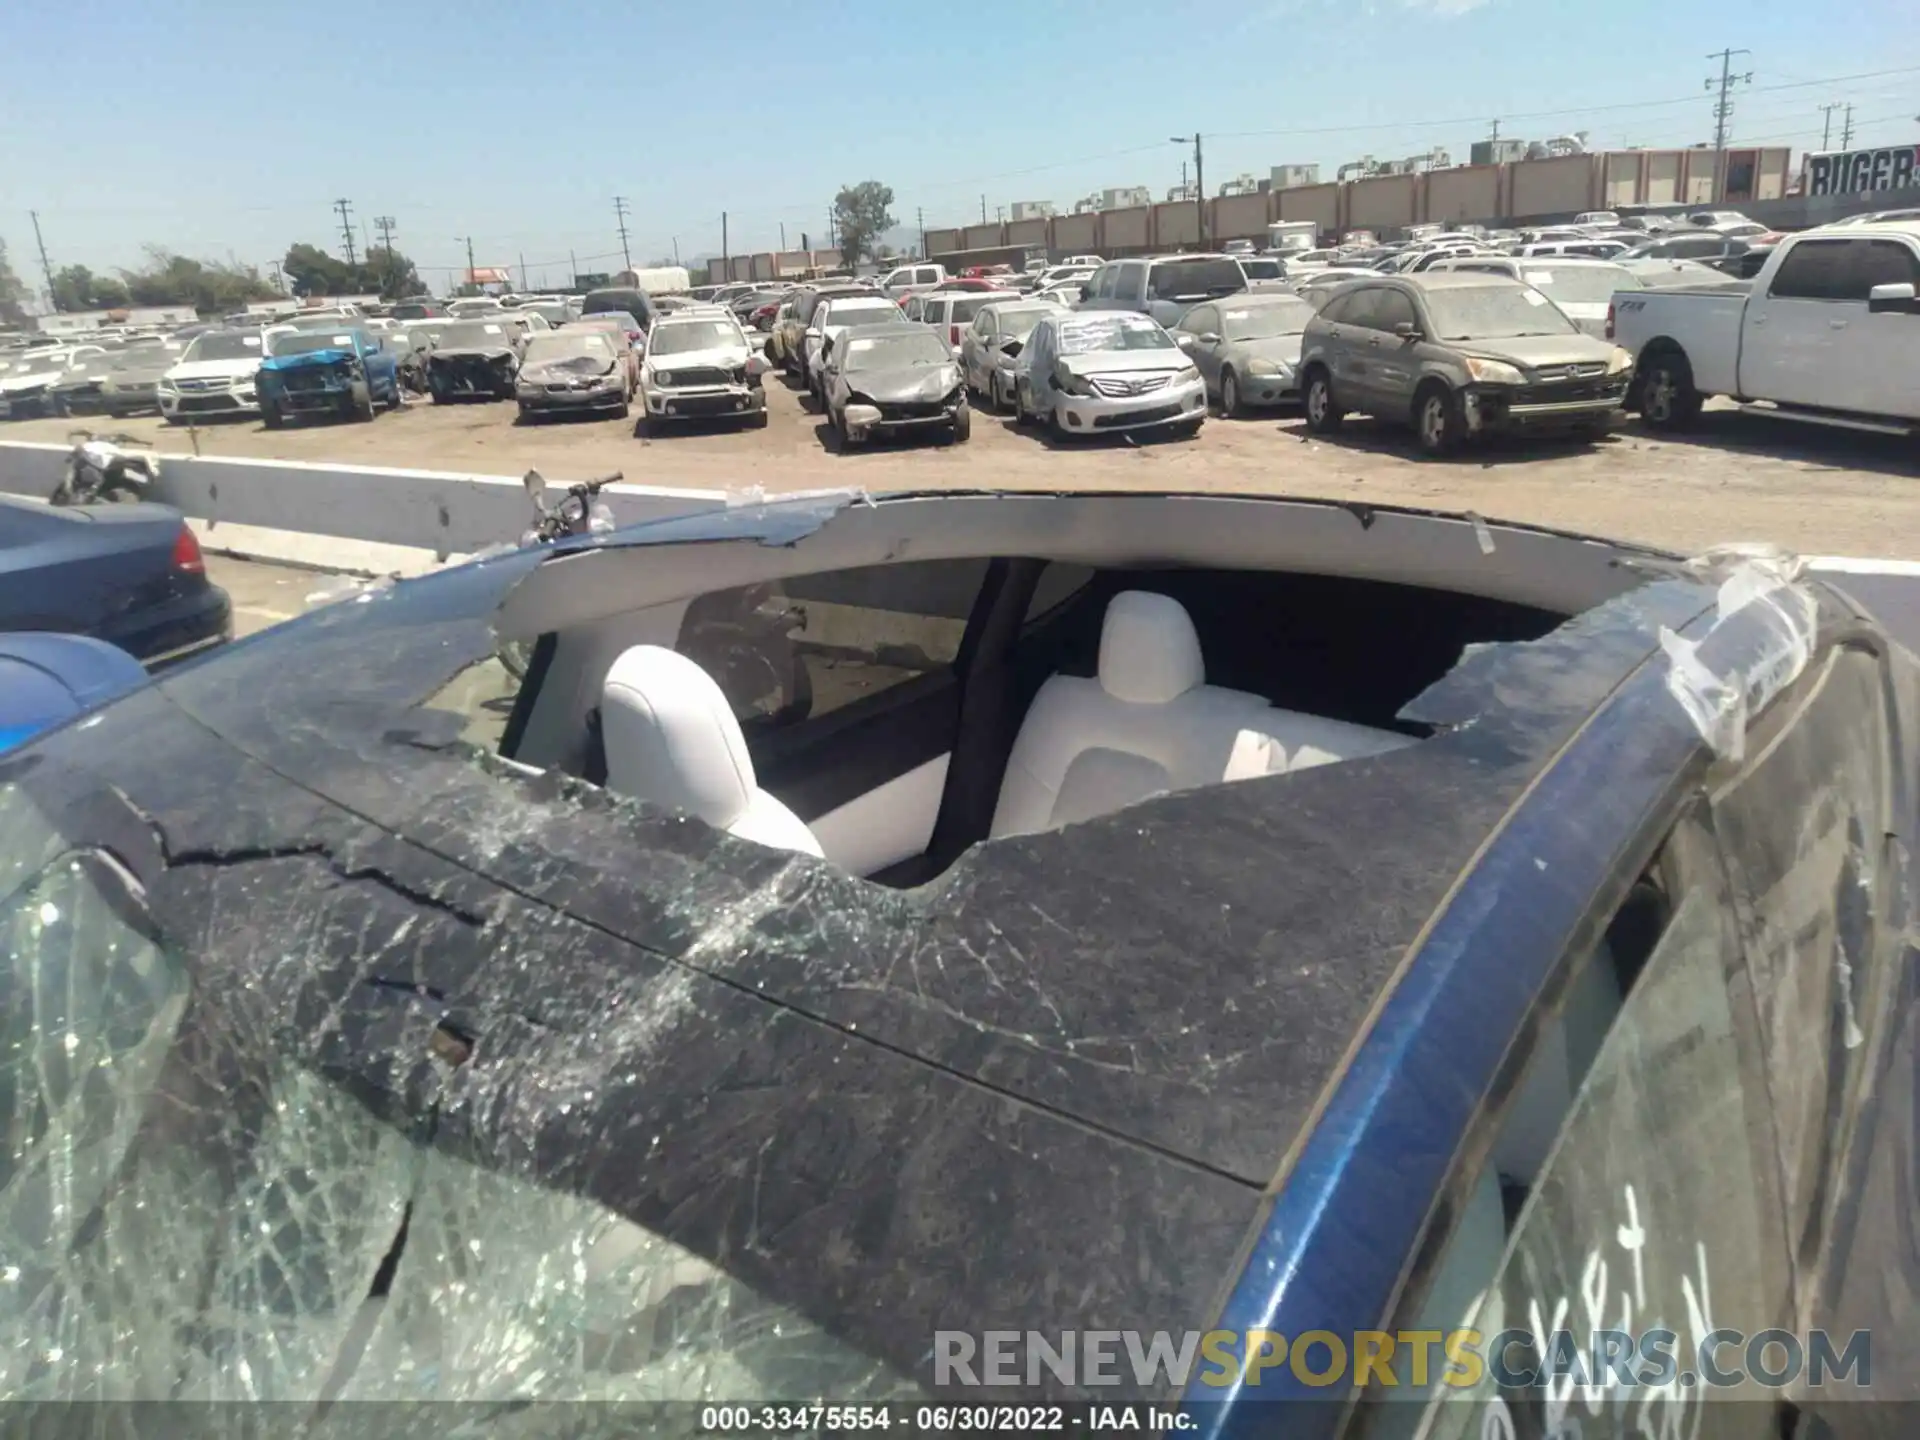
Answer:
(913, 382)
(1144, 362)
(572, 368)
(476, 352)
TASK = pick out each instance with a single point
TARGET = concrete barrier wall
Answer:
(1028, 232)
(437, 511)
(1076, 234)
(1318, 203)
(1549, 187)
(942, 242)
(1127, 230)
(1177, 223)
(982, 237)
(1468, 192)
(1663, 178)
(1383, 203)
(1620, 179)
(1239, 217)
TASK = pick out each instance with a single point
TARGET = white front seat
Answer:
(1150, 724)
(671, 738)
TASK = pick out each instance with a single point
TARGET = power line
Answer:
(346, 228)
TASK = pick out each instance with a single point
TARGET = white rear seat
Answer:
(1151, 724)
(671, 738)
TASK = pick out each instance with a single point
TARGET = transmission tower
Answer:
(345, 209)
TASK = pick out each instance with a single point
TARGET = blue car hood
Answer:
(46, 679)
(306, 360)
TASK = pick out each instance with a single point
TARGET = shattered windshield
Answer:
(224, 345)
(189, 1211)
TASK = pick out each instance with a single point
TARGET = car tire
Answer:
(1232, 404)
(525, 417)
(271, 417)
(1323, 411)
(1055, 430)
(439, 395)
(1668, 399)
(759, 420)
(623, 409)
(962, 425)
(1438, 423)
(362, 405)
(171, 419)
(397, 398)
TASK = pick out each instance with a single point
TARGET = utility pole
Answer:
(783, 237)
(1199, 184)
(1846, 129)
(1826, 123)
(46, 265)
(726, 255)
(523, 269)
(470, 267)
(1722, 113)
(385, 225)
(620, 214)
(920, 216)
(676, 249)
(573, 271)
(1000, 214)
(983, 209)
(346, 228)
(1494, 138)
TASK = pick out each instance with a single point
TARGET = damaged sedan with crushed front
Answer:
(474, 360)
(894, 380)
(1191, 913)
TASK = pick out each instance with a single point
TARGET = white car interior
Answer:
(903, 683)
(671, 738)
(1148, 723)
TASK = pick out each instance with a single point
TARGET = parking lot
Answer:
(1737, 476)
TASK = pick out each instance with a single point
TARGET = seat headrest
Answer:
(1149, 652)
(671, 737)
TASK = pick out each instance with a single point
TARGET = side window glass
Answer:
(1882, 262)
(1200, 320)
(1813, 270)
(787, 651)
(1801, 828)
(1393, 308)
(1132, 285)
(1655, 1206)
(928, 277)
(1363, 309)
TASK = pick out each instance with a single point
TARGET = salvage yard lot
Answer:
(1738, 477)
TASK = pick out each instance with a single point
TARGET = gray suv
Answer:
(1163, 286)
(1457, 355)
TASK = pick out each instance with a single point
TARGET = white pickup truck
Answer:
(1828, 332)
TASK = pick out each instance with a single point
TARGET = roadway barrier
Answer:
(294, 512)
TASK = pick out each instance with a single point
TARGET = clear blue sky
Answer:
(217, 128)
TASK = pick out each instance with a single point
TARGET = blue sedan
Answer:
(953, 948)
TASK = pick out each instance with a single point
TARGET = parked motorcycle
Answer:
(578, 510)
(98, 470)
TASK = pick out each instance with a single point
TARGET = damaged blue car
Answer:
(343, 373)
(877, 942)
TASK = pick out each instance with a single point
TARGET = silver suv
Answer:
(1163, 286)
(1457, 354)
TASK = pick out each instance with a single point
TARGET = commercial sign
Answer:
(1852, 172)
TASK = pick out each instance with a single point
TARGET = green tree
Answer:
(391, 273)
(863, 217)
(75, 287)
(13, 294)
(210, 287)
(312, 271)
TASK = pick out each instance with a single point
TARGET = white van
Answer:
(912, 279)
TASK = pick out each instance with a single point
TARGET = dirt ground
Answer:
(1738, 476)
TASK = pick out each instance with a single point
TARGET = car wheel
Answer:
(1437, 421)
(271, 417)
(1323, 413)
(526, 415)
(363, 405)
(1054, 428)
(962, 424)
(759, 420)
(439, 395)
(623, 409)
(1668, 399)
(1230, 402)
